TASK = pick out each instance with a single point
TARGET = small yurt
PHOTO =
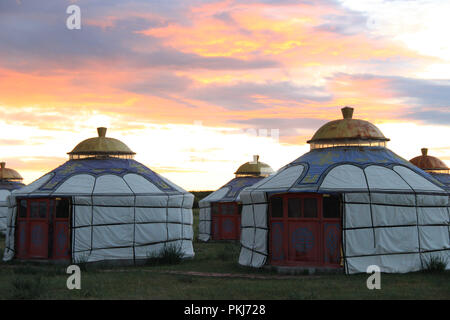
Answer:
(433, 166)
(9, 180)
(99, 205)
(220, 212)
(348, 203)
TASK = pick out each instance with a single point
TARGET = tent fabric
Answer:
(5, 190)
(230, 192)
(120, 209)
(392, 209)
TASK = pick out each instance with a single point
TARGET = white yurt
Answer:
(10, 180)
(434, 166)
(220, 212)
(100, 205)
(348, 203)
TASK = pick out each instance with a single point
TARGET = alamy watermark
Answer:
(74, 20)
(374, 281)
(74, 280)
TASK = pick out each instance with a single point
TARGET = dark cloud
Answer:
(160, 82)
(244, 95)
(36, 39)
(431, 116)
(166, 57)
(347, 23)
(428, 100)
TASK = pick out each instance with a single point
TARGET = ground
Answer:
(213, 274)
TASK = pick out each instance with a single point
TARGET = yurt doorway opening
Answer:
(305, 229)
(226, 220)
(43, 228)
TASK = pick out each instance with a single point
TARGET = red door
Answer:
(43, 229)
(300, 234)
(61, 230)
(226, 221)
(215, 215)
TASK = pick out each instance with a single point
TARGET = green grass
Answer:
(40, 281)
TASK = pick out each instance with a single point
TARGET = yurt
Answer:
(220, 212)
(100, 205)
(433, 166)
(10, 180)
(348, 203)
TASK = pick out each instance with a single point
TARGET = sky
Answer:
(196, 88)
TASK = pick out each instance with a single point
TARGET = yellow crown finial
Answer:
(347, 112)
(102, 132)
(424, 151)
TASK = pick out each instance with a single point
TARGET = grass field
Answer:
(37, 281)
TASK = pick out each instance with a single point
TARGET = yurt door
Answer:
(226, 221)
(41, 231)
(300, 233)
(61, 230)
(32, 223)
(304, 241)
(229, 224)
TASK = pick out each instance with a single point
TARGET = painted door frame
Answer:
(218, 219)
(51, 222)
(322, 240)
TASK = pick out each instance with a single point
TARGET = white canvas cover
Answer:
(393, 217)
(3, 209)
(122, 217)
(230, 192)
(204, 224)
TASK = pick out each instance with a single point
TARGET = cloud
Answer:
(346, 24)
(424, 100)
(249, 95)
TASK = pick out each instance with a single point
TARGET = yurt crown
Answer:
(254, 168)
(9, 174)
(429, 163)
(101, 147)
(348, 132)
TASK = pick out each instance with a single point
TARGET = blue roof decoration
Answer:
(444, 178)
(236, 185)
(98, 167)
(10, 185)
(318, 162)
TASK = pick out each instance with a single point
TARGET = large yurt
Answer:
(100, 205)
(434, 166)
(220, 212)
(348, 203)
(10, 180)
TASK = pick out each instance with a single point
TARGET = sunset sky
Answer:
(197, 87)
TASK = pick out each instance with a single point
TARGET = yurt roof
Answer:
(101, 146)
(427, 162)
(255, 167)
(347, 130)
(442, 177)
(348, 169)
(101, 176)
(231, 190)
